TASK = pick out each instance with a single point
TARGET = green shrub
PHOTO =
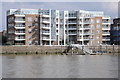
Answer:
(8, 43)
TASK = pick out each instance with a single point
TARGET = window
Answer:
(29, 37)
(36, 42)
(65, 15)
(29, 30)
(36, 24)
(36, 19)
(98, 42)
(29, 18)
(92, 26)
(57, 14)
(92, 20)
(98, 37)
(29, 42)
(98, 26)
(36, 29)
(29, 24)
(98, 31)
(98, 21)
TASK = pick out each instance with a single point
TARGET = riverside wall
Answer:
(54, 49)
(33, 49)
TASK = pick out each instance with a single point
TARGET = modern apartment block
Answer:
(115, 32)
(57, 27)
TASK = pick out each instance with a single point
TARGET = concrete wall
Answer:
(53, 49)
(33, 49)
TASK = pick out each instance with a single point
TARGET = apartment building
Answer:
(115, 32)
(57, 27)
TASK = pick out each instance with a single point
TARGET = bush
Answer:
(68, 44)
(8, 43)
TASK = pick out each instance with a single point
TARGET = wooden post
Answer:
(106, 49)
(72, 50)
(82, 48)
(101, 48)
(113, 50)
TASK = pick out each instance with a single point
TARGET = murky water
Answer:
(60, 66)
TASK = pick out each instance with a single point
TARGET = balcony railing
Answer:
(46, 38)
(72, 33)
(19, 19)
(86, 33)
(45, 19)
(105, 33)
(105, 21)
(86, 38)
(86, 26)
(72, 26)
(72, 21)
(20, 38)
(86, 21)
(19, 31)
(106, 38)
(20, 26)
(46, 26)
(46, 31)
(105, 26)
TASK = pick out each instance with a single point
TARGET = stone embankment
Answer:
(55, 49)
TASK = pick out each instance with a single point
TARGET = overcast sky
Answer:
(109, 8)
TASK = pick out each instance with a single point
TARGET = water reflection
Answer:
(62, 66)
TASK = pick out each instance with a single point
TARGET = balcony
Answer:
(79, 39)
(86, 33)
(106, 17)
(105, 33)
(72, 33)
(20, 26)
(86, 38)
(72, 22)
(80, 22)
(106, 28)
(46, 21)
(19, 38)
(72, 17)
(46, 27)
(106, 39)
(86, 22)
(17, 15)
(45, 38)
(20, 20)
(72, 28)
(87, 17)
(46, 32)
(106, 22)
(87, 27)
(20, 32)
(44, 15)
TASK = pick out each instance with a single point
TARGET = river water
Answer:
(59, 66)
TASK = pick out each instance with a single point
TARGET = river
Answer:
(59, 66)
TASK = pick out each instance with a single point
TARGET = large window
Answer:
(98, 26)
(98, 37)
(98, 21)
(97, 31)
(36, 19)
(29, 18)
(29, 24)
(98, 42)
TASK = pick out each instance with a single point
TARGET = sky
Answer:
(109, 8)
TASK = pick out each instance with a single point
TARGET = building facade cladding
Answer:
(115, 32)
(56, 27)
